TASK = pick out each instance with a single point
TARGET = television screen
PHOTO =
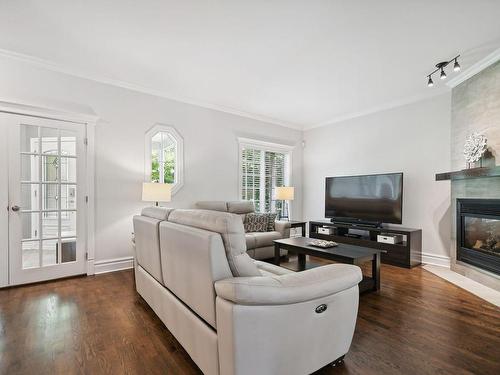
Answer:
(373, 198)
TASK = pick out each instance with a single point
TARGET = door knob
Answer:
(16, 208)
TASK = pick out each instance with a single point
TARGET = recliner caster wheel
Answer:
(338, 362)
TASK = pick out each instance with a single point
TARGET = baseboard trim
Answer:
(436, 260)
(112, 265)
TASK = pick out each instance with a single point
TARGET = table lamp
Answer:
(156, 192)
(285, 194)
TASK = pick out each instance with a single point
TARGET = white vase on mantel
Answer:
(474, 148)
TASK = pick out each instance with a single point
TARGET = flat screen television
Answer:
(371, 199)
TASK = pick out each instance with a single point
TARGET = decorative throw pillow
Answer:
(271, 218)
(255, 222)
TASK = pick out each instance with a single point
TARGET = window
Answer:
(163, 150)
(263, 166)
(164, 156)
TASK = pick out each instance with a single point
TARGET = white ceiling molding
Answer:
(381, 108)
(58, 68)
(474, 69)
(22, 108)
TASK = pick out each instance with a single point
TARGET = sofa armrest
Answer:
(283, 227)
(289, 288)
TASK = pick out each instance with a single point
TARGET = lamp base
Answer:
(284, 212)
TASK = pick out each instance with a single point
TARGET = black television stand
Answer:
(405, 254)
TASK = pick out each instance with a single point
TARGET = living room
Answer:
(272, 118)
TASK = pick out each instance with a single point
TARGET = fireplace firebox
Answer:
(478, 233)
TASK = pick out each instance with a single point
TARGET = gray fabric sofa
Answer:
(259, 244)
(231, 313)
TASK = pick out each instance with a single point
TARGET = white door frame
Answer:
(4, 203)
(69, 116)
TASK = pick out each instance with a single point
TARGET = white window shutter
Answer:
(261, 172)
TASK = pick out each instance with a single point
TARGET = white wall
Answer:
(210, 145)
(414, 139)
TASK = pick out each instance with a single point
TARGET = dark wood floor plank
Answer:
(416, 324)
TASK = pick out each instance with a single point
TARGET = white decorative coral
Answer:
(474, 147)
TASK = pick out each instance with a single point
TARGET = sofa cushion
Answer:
(212, 205)
(250, 240)
(240, 207)
(255, 222)
(230, 228)
(271, 218)
(263, 239)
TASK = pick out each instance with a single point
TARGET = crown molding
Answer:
(58, 68)
(379, 108)
(46, 111)
(474, 69)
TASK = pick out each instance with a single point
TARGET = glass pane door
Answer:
(48, 187)
(47, 214)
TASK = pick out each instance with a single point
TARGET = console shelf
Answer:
(405, 254)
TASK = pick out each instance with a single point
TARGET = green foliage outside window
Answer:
(168, 167)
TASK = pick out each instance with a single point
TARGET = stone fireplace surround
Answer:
(475, 188)
(475, 107)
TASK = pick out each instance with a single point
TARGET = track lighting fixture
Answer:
(440, 67)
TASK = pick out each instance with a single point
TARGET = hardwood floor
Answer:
(417, 324)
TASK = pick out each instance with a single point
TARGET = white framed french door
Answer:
(46, 198)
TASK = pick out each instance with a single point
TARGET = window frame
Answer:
(264, 146)
(179, 154)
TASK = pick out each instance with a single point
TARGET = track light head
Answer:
(443, 74)
(456, 66)
(430, 82)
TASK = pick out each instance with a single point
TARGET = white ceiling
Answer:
(298, 63)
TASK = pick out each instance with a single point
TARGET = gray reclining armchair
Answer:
(233, 314)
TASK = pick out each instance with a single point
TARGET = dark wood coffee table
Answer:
(342, 253)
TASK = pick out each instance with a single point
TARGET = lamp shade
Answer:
(285, 193)
(156, 192)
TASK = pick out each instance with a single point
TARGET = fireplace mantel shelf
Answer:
(469, 173)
